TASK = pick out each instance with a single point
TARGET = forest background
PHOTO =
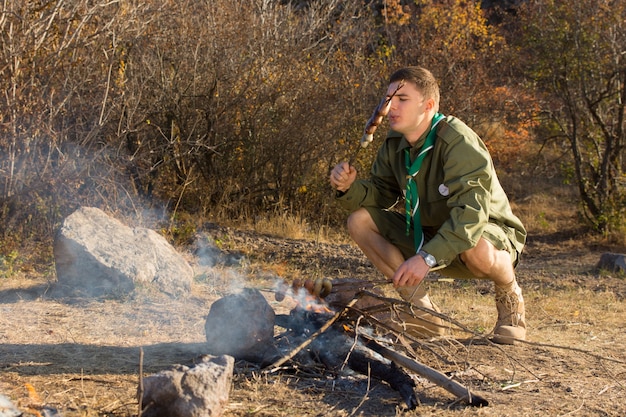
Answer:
(176, 113)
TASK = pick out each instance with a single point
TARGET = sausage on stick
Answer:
(377, 117)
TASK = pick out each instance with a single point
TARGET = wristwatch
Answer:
(428, 258)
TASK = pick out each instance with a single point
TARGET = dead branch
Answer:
(394, 301)
(425, 371)
(574, 349)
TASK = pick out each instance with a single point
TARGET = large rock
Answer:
(242, 325)
(99, 255)
(613, 262)
(200, 391)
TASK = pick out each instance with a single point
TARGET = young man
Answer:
(456, 218)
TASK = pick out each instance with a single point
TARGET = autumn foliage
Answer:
(224, 108)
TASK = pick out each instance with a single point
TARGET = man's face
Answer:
(410, 113)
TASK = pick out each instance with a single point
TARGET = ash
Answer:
(337, 352)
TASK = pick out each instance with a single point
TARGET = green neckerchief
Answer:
(412, 200)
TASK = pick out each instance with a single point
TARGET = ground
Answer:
(82, 356)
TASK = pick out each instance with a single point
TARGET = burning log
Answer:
(329, 344)
(308, 341)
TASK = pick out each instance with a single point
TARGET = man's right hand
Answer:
(342, 176)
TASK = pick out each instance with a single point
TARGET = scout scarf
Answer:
(412, 201)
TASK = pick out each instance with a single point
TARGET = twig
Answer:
(352, 347)
(367, 392)
(274, 367)
(518, 384)
(575, 349)
(140, 390)
(574, 411)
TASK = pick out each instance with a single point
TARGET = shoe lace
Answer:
(507, 304)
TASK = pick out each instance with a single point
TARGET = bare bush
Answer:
(228, 108)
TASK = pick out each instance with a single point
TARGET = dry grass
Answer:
(294, 226)
(82, 357)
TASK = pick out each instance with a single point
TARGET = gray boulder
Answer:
(200, 391)
(97, 255)
(242, 325)
(614, 262)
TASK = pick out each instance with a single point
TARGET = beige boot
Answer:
(415, 321)
(511, 322)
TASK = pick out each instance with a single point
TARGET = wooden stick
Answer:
(381, 110)
(140, 390)
(427, 372)
(274, 367)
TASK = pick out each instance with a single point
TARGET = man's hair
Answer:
(423, 79)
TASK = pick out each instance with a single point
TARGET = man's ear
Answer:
(430, 104)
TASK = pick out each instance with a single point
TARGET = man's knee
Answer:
(482, 258)
(359, 221)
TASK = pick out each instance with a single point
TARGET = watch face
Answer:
(429, 259)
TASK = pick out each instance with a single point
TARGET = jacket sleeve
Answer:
(381, 189)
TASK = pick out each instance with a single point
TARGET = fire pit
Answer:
(338, 337)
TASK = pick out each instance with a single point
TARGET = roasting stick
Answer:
(276, 365)
(381, 110)
(426, 279)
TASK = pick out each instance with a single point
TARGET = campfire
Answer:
(341, 332)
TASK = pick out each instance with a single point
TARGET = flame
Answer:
(311, 303)
(35, 400)
(303, 297)
(32, 393)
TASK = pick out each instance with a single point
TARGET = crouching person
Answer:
(456, 217)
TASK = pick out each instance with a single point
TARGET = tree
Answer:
(467, 54)
(574, 54)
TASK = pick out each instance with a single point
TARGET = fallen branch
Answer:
(425, 371)
(394, 301)
(573, 349)
(408, 304)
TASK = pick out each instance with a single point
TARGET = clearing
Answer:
(81, 356)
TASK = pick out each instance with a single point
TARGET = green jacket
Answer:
(458, 189)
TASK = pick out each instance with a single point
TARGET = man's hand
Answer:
(411, 272)
(342, 176)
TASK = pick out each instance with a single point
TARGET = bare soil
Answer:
(82, 356)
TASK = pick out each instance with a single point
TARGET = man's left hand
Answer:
(411, 272)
